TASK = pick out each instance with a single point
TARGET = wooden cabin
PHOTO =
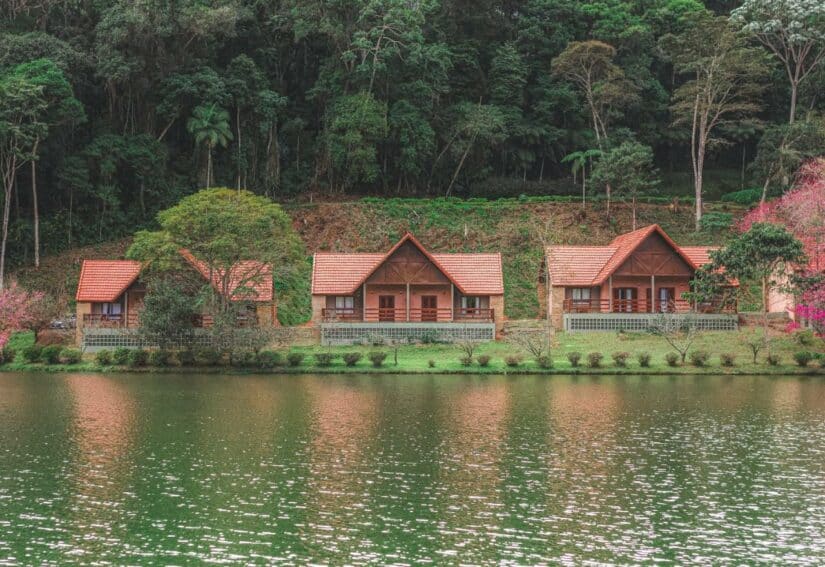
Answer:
(406, 292)
(606, 287)
(110, 294)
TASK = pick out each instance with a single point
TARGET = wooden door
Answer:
(624, 299)
(386, 308)
(666, 299)
(429, 308)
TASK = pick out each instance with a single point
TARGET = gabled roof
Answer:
(103, 281)
(249, 280)
(343, 274)
(592, 265)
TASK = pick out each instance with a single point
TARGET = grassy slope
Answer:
(516, 228)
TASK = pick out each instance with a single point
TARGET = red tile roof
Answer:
(343, 274)
(248, 280)
(592, 265)
(103, 281)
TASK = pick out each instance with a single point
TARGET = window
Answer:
(581, 294)
(343, 302)
(110, 308)
(468, 302)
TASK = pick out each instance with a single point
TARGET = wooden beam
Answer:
(408, 302)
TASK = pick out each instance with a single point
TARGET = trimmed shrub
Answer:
(7, 355)
(574, 358)
(186, 358)
(377, 358)
(51, 354)
(138, 357)
(103, 357)
(466, 360)
(594, 359)
(620, 358)
(295, 358)
(121, 356)
(672, 359)
(484, 360)
(803, 358)
(268, 359)
(32, 353)
(644, 359)
(513, 360)
(324, 358)
(70, 356)
(727, 359)
(699, 358)
(352, 358)
(160, 358)
(243, 359)
(207, 356)
(774, 359)
(805, 337)
(431, 363)
(544, 361)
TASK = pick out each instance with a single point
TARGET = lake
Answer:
(182, 469)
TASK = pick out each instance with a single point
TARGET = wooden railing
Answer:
(399, 315)
(626, 306)
(99, 320)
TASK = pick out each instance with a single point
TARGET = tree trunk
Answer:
(634, 211)
(765, 190)
(35, 211)
(765, 306)
(8, 182)
(209, 166)
(238, 130)
(794, 93)
(584, 186)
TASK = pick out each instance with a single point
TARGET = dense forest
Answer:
(111, 110)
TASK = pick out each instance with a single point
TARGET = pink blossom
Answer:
(16, 308)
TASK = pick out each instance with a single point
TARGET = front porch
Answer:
(410, 315)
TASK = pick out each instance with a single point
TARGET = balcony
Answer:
(399, 315)
(132, 321)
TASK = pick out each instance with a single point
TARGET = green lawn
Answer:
(446, 358)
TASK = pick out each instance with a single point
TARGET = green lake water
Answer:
(171, 469)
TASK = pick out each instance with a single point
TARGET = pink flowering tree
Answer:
(17, 307)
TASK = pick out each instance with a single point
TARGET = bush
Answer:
(431, 363)
(774, 359)
(620, 358)
(268, 359)
(324, 358)
(544, 361)
(7, 355)
(466, 360)
(744, 196)
(138, 357)
(186, 358)
(429, 337)
(32, 353)
(594, 359)
(672, 359)
(160, 358)
(352, 358)
(513, 360)
(699, 358)
(71, 356)
(242, 359)
(484, 360)
(727, 359)
(805, 337)
(377, 358)
(51, 354)
(103, 357)
(208, 356)
(802, 358)
(716, 222)
(295, 359)
(574, 358)
(644, 359)
(121, 356)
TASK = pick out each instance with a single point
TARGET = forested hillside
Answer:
(113, 109)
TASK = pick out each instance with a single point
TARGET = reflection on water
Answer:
(395, 469)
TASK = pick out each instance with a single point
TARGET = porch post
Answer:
(653, 299)
(364, 302)
(408, 302)
(610, 294)
(452, 301)
(126, 309)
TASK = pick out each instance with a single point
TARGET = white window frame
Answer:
(344, 302)
(584, 294)
(465, 304)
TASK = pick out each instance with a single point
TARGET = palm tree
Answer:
(579, 162)
(210, 127)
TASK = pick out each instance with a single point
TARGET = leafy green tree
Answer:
(793, 30)
(579, 162)
(725, 85)
(167, 315)
(357, 125)
(629, 168)
(223, 229)
(766, 253)
(209, 125)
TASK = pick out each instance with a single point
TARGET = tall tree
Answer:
(724, 85)
(629, 168)
(578, 163)
(793, 30)
(209, 125)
